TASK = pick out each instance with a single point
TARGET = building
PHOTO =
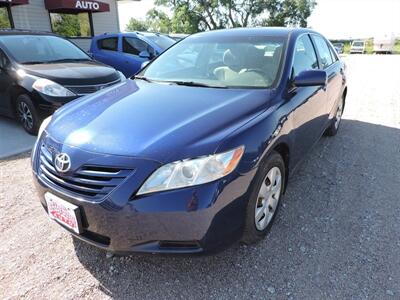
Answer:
(78, 20)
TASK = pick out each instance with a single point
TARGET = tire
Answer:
(333, 128)
(266, 203)
(27, 115)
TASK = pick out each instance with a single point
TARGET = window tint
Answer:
(304, 56)
(71, 25)
(135, 46)
(108, 44)
(323, 50)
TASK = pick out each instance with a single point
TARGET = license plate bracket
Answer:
(63, 212)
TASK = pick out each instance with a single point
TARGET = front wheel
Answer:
(265, 197)
(27, 115)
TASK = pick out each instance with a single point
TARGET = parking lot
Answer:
(337, 234)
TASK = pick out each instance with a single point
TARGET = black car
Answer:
(39, 72)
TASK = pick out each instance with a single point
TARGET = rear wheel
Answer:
(27, 115)
(334, 127)
(264, 199)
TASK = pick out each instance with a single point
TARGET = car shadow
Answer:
(331, 234)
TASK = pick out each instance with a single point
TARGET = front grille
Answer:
(89, 181)
(81, 90)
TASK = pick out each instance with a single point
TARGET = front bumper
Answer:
(204, 218)
(169, 222)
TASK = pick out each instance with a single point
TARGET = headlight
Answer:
(51, 88)
(41, 129)
(192, 172)
(43, 126)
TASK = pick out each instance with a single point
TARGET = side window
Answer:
(333, 54)
(135, 46)
(304, 56)
(323, 50)
(110, 44)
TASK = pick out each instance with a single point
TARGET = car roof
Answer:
(24, 32)
(269, 31)
(129, 33)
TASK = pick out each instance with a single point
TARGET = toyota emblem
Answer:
(62, 162)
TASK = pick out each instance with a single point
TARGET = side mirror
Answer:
(144, 54)
(311, 78)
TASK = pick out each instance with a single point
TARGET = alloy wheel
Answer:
(268, 198)
(339, 113)
(25, 115)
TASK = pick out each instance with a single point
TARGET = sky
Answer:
(335, 19)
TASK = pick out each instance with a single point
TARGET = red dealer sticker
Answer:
(63, 212)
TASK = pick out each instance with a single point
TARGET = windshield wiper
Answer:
(33, 62)
(142, 78)
(193, 83)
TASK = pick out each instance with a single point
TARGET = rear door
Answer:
(309, 103)
(107, 51)
(334, 69)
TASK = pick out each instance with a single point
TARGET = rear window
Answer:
(110, 44)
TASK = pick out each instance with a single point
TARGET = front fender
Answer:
(260, 136)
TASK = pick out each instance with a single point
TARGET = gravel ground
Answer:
(337, 235)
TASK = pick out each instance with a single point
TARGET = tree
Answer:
(158, 21)
(197, 15)
(136, 25)
(288, 12)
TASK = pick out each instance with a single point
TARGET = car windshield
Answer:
(32, 49)
(161, 41)
(228, 62)
(358, 44)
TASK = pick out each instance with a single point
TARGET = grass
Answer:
(397, 47)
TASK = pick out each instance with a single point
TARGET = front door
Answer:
(309, 103)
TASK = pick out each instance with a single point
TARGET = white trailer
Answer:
(384, 44)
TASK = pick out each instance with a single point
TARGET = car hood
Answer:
(74, 73)
(156, 121)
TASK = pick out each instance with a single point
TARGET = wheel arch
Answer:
(283, 149)
(15, 93)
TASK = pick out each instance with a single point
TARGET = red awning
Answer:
(75, 6)
(14, 2)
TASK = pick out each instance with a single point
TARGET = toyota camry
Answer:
(195, 152)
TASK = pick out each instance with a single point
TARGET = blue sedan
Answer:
(127, 51)
(196, 152)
